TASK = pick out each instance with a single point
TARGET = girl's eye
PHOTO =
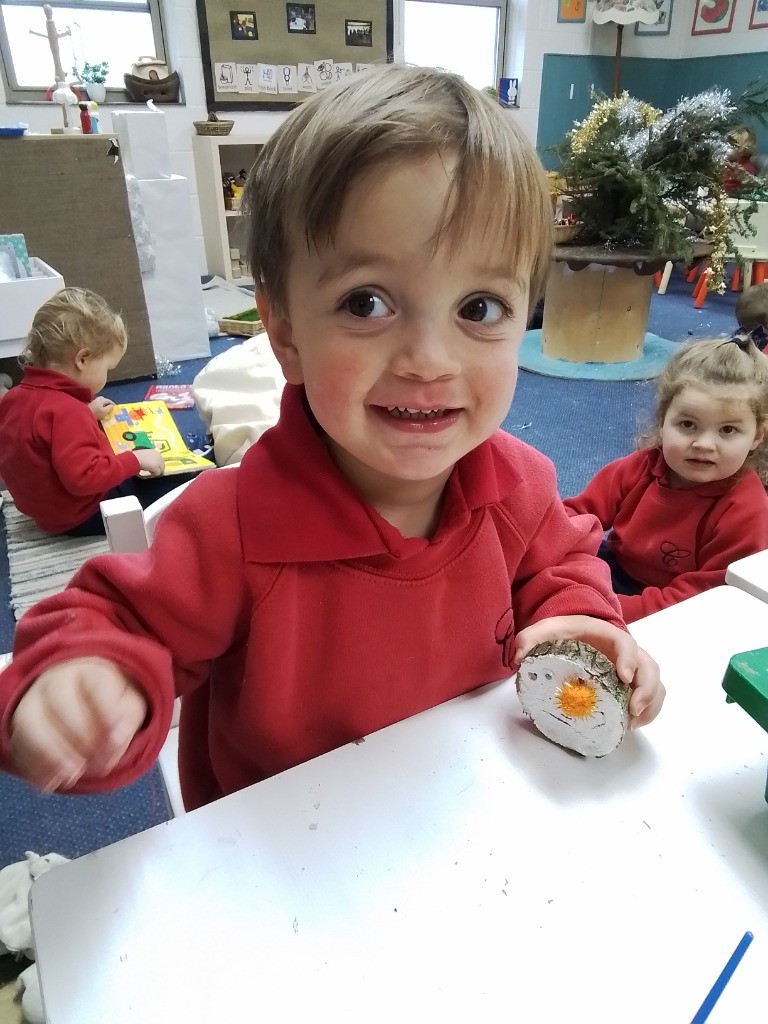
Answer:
(365, 304)
(484, 310)
(728, 430)
(687, 424)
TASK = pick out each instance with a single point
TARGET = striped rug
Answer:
(41, 565)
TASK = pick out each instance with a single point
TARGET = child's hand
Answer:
(150, 460)
(78, 717)
(634, 666)
(101, 407)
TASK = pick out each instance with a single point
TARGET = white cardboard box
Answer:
(20, 300)
(173, 292)
(143, 139)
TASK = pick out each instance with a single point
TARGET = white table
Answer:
(454, 867)
(750, 573)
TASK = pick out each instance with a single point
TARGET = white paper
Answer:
(363, 67)
(342, 71)
(225, 80)
(143, 139)
(324, 73)
(307, 78)
(266, 76)
(287, 78)
(245, 76)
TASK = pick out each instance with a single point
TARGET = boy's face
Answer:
(93, 370)
(408, 357)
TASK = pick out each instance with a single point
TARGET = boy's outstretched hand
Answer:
(634, 666)
(77, 718)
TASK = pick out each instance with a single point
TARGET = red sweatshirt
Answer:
(675, 542)
(294, 619)
(54, 457)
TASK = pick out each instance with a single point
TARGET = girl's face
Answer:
(707, 434)
(92, 370)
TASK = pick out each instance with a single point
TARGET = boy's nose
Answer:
(425, 353)
(704, 441)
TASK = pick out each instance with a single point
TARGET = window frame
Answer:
(505, 14)
(15, 93)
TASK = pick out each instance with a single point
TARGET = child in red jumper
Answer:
(385, 547)
(683, 508)
(54, 458)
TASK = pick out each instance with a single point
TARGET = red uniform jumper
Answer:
(675, 542)
(54, 457)
(293, 618)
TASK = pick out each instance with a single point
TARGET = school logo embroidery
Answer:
(671, 553)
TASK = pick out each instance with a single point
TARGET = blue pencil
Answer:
(724, 977)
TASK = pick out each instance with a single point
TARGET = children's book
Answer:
(150, 425)
(175, 396)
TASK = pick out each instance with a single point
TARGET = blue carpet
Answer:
(656, 352)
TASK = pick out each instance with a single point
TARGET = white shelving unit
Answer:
(216, 155)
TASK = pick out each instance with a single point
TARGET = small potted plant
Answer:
(94, 78)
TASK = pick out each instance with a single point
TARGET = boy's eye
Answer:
(728, 430)
(483, 310)
(687, 424)
(365, 304)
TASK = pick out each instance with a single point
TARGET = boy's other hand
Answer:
(77, 718)
(150, 460)
(634, 666)
(101, 407)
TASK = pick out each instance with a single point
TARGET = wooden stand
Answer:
(597, 314)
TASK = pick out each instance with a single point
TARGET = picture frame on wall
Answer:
(759, 16)
(358, 33)
(663, 25)
(242, 25)
(301, 18)
(712, 17)
(570, 12)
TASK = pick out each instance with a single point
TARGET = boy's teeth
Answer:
(402, 412)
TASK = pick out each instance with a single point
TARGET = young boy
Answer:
(384, 547)
(54, 458)
(752, 314)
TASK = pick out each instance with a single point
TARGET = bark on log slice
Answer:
(573, 696)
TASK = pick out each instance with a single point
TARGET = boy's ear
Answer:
(81, 357)
(280, 334)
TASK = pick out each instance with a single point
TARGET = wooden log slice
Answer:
(573, 696)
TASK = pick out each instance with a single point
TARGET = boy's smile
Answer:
(407, 351)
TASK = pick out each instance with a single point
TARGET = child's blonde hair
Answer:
(302, 176)
(73, 319)
(716, 363)
(752, 307)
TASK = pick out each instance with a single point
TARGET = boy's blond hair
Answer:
(302, 176)
(713, 364)
(73, 319)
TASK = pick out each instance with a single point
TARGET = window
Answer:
(465, 36)
(116, 31)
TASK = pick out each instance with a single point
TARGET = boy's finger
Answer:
(42, 755)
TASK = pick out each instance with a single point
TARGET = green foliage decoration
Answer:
(637, 175)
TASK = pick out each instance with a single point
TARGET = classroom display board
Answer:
(269, 55)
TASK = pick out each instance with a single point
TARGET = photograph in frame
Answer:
(759, 16)
(713, 18)
(358, 33)
(301, 18)
(663, 25)
(571, 11)
(242, 25)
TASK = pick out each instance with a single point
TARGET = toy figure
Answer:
(85, 120)
(53, 35)
(93, 110)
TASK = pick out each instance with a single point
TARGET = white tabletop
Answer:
(750, 574)
(454, 867)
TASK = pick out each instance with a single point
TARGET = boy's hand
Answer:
(634, 666)
(78, 717)
(101, 407)
(150, 460)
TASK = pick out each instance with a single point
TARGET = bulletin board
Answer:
(269, 55)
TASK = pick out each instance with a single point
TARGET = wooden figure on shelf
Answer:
(574, 697)
(85, 118)
(53, 35)
(93, 113)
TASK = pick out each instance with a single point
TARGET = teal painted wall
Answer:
(661, 82)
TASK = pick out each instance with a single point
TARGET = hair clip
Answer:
(759, 337)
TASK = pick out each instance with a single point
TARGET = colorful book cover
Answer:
(150, 425)
(175, 396)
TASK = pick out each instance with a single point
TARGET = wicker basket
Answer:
(566, 233)
(245, 324)
(213, 127)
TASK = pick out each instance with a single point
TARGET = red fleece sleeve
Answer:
(160, 616)
(604, 493)
(81, 455)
